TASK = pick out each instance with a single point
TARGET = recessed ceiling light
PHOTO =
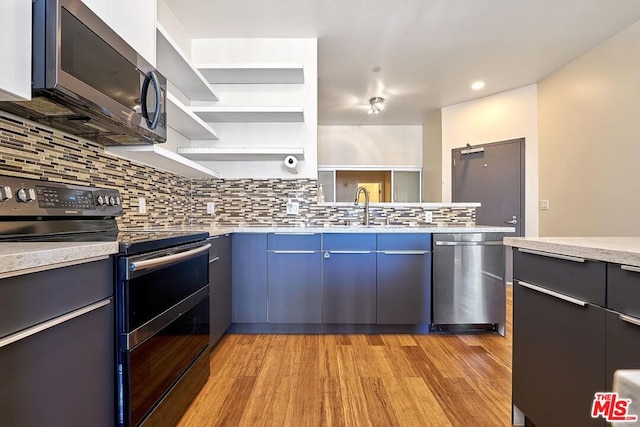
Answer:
(477, 85)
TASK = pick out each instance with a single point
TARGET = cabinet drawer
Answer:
(579, 278)
(33, 298)
(349, 242)
(298, 241)
(402, 241)
(623, 289)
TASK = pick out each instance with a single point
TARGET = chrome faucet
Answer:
(365, 219)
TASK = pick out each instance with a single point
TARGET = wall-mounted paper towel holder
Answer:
(291, 164)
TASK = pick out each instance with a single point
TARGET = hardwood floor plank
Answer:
(438, 380)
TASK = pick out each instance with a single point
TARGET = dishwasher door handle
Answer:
(481, 243)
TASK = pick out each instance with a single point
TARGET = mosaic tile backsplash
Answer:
(34, 151)
(264, 202)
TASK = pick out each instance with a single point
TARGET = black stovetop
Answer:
(131, 241)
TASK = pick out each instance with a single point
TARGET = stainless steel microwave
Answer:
(88, 81)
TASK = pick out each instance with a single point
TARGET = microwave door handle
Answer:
(156, 87)
(148, 79)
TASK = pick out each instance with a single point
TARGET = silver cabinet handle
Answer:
(214, 259)
(51, 323)
(553, 293)
(630, 268)
(350, 252)
(294, 233)
(629, 319)
(481, 243)
(168, 259)
(551, 255)
(405, 252)
(293, 252)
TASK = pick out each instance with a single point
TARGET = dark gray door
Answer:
(492, 174)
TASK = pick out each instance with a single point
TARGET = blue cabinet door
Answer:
(404, 287)
(349, 278)
(249, 278)
(294, 286)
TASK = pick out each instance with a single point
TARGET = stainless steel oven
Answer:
(163, 321)
(88, 81)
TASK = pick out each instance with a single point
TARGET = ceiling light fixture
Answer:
(377, 105)
(477, 85)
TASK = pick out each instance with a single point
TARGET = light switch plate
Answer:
(211, 208)
(428, 217)
(544, 205)
(293, 208)
(142, 205)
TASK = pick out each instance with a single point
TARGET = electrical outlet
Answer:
(293, 208)
(142, 205)
(211, 208)
(544, 205)
(428, 217)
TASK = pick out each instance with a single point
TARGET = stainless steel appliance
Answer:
(87, 81)
(469, 288)
(161, 294)
(163, 326)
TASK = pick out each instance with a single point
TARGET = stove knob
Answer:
(26, 195)
(118, 201)
(5, 194)
(100, 200)
(112, 201)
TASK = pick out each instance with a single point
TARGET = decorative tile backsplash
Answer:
(34, 151)
(249, 201)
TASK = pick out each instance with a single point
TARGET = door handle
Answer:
(512, 221)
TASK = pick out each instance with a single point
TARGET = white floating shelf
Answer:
(252, 73)
(181, 119)
(250, 114)
(163, 159)
(179, 70)
(240, 153)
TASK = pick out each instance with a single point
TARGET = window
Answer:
(385, 185)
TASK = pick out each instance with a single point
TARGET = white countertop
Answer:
(30, 257)
(620, 250)
(370, 229)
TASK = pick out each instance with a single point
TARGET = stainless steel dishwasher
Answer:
(469, 288)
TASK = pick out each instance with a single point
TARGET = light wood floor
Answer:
(358, 380)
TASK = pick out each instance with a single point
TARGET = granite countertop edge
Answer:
(25, 257)
(619, 250)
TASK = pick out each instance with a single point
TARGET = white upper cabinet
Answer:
(15, 50)
(134, 21)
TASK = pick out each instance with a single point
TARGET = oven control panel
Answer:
(32, 197)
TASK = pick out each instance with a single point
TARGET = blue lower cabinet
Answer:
(349, 278)
(404, 287)
(294, 282)
(249, 278)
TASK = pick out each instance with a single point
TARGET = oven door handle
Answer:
(167, 259)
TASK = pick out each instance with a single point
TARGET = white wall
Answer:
(507, 115)
(432, 157)
(590, 142)
(261, 51)
(370, 146)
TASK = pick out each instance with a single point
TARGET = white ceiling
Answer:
(430, 51)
